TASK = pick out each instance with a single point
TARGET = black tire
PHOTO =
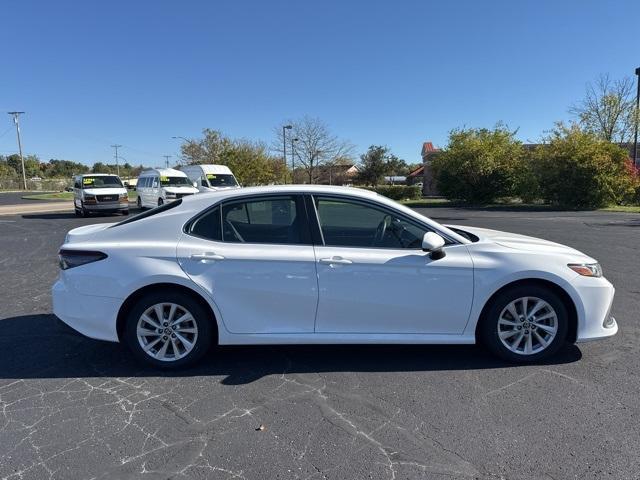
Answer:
(488, 328)
(77, 212)
(202, 318)
(84, 213)
(160, 202)
(139, 203)
(125, 212)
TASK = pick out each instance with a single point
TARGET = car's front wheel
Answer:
(168, 329)
(525, 324)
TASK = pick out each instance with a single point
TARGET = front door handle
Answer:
(206, 257)
(336, 261)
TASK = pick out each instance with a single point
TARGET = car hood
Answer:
(215, 189)
(105, 191)
(522, 242)
(181, 190)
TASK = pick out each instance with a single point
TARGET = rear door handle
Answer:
(206, 257)
(335, 261)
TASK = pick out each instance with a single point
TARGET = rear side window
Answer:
(208, 226)
(274, 220)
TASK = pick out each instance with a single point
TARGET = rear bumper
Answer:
(595, 320)
(92, 316)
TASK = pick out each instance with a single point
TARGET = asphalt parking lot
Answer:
(77, 408)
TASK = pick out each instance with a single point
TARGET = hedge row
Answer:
(572, 168)
(398, 192)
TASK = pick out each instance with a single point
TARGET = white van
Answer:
(158, 186)
(99, 192)
(210, 177)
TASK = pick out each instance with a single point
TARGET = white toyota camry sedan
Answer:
(314, 264)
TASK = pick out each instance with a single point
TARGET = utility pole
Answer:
(166, 160)
(637, 120)
(117, 164)
(293, 159)
(284, 146)
(16, 120)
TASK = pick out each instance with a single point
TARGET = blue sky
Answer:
(397, 73)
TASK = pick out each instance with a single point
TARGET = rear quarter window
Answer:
(150, 213)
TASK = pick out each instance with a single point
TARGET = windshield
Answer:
(175, 182)
(221, 180)
(101, 182)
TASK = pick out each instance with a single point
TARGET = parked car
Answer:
(318, 264)
(158, 186)
(210, 177)
(99, 192)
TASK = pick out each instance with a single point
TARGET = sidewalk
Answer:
(21, 209)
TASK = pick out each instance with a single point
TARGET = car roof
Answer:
(207, 198)
(163, 171)
(97, 175)
(209, 168)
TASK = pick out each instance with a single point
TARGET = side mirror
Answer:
(195, 184)
(433, 243)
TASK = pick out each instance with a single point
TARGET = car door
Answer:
(255, 258)
(373, 276)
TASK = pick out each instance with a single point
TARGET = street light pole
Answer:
(16, 120)
(293, 159)
(284, 146)
(166, 160)
(117, 164)
(637, 120)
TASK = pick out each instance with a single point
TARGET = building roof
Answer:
(418, 172)
(427, 147)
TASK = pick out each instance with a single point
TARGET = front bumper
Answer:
(106, 206)
(90, 315)
(594, 311)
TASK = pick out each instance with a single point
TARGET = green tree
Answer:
(578, 169)
(479, 165)
(249, 160)
(64, 168)
(374, 165)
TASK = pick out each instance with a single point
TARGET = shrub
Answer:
(576, 169)
(398, 192)
(479, 165)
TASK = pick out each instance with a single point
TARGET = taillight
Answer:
(75, 258)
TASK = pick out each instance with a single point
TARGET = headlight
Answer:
(123, 198)
(171, 195)
(586, 269)
(88, 198)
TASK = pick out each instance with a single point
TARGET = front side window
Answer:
(106, 181)
(277, 220)
(349, 223)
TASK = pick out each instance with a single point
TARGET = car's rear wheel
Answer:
(525, 324)
(168, 330)
(160, 202)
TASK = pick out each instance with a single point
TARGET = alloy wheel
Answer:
(527, 325)
(167, 332)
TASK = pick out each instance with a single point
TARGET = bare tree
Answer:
(316, 145)
(608, 109)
